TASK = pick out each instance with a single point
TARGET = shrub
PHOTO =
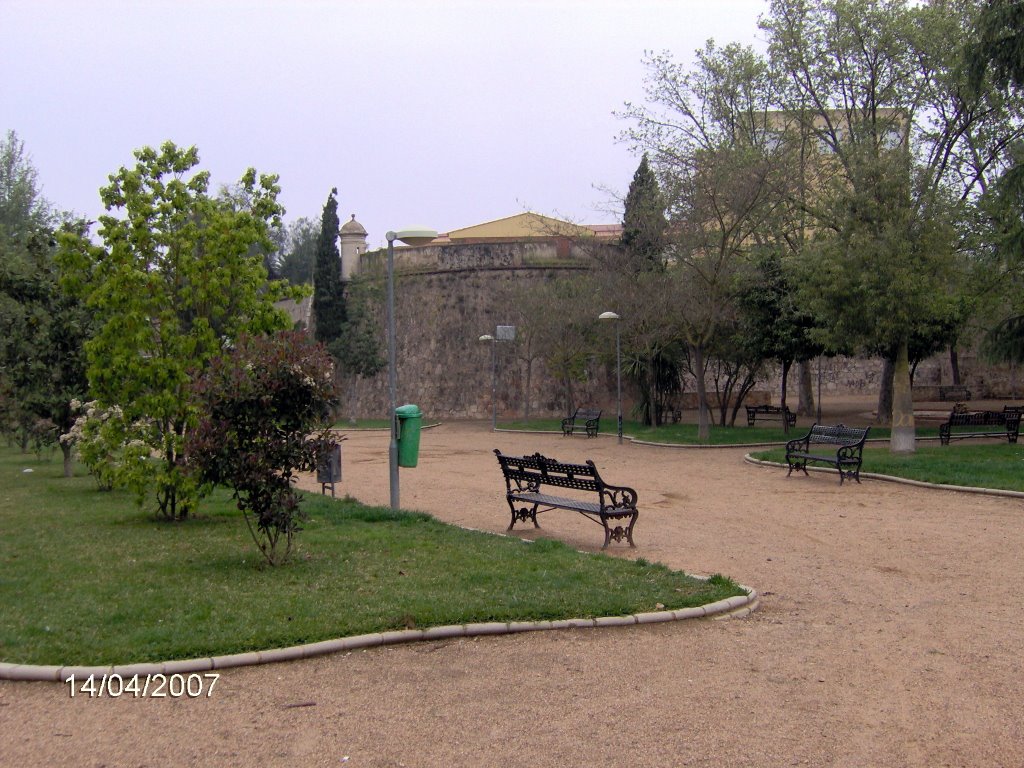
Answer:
(101, 439)
(264, 416)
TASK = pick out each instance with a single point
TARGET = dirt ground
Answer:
(889, 634)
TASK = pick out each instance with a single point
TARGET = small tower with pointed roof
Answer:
(353, 244)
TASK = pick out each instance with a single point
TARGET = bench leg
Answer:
(797, 464)
(524, 513)
(618, 532)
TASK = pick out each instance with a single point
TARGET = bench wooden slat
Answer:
(526, 475)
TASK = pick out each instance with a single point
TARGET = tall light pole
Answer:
(618, 368)
(410, 237)
(494, 379)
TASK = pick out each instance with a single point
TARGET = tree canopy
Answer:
(178, 278)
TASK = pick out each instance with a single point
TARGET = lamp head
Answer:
(413, 236)
(608, 316)
(487, 337)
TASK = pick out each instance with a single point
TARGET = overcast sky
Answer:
(436, 113)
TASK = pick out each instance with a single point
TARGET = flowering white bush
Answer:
(102, 441)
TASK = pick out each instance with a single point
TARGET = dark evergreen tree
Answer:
(328, 293)
(644, 223)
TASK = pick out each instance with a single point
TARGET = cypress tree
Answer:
(328, 295)
(644, 223)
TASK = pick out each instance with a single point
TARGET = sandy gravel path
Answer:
(889, 634)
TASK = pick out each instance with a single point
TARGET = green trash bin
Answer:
(409, 419)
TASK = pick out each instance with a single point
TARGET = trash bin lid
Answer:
(408, 411)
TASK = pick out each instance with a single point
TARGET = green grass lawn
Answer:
(989, 465)
(87, 578)
(686, 434)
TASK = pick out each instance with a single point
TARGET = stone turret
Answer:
(353, 244)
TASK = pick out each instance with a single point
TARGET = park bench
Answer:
(839, 445)
(582, 419)
(769, 413)
(526, 476)
(963, 424)
(954, 392)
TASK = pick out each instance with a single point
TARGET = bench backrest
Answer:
(536, 470)
(588, 414)
(839, 434)
(983, 418)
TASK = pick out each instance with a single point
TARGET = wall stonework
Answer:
(446, 297)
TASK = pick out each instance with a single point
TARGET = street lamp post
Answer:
(618, 368)
(410, 237)
(494, 379)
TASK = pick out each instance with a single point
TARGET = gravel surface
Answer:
(889, 634)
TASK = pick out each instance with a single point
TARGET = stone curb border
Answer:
(902, 480)
(644, 442)
(730, 608)
(688, 446)
(357, 430)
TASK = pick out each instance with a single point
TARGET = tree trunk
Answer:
(903, 437)
(526, 391)
(69, 468)
(652, 398)
(884, 415)
(786, 365)
(353, 397)
(703, 413)
(805, 388)
(954, 364)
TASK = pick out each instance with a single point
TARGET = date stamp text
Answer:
(158, 686)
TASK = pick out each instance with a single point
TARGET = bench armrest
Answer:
(801, 444)
(618, 496)
(850, 452)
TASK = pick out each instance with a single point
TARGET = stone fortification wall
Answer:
(446, 297)
(862, 376)
(475, 256)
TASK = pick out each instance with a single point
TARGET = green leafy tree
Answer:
(42, 329)
(997, 54)
(296, 256)
(773, 325)
(175, 281)
(24, 212)
(709, 134)
(264, 406)
(328, 291)
(906, 145)
(357, 351)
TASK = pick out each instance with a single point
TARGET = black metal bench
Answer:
(582, 419)
(818, 444)
(954, 392)
(769, 413)
(962, 424)
(526, 475)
